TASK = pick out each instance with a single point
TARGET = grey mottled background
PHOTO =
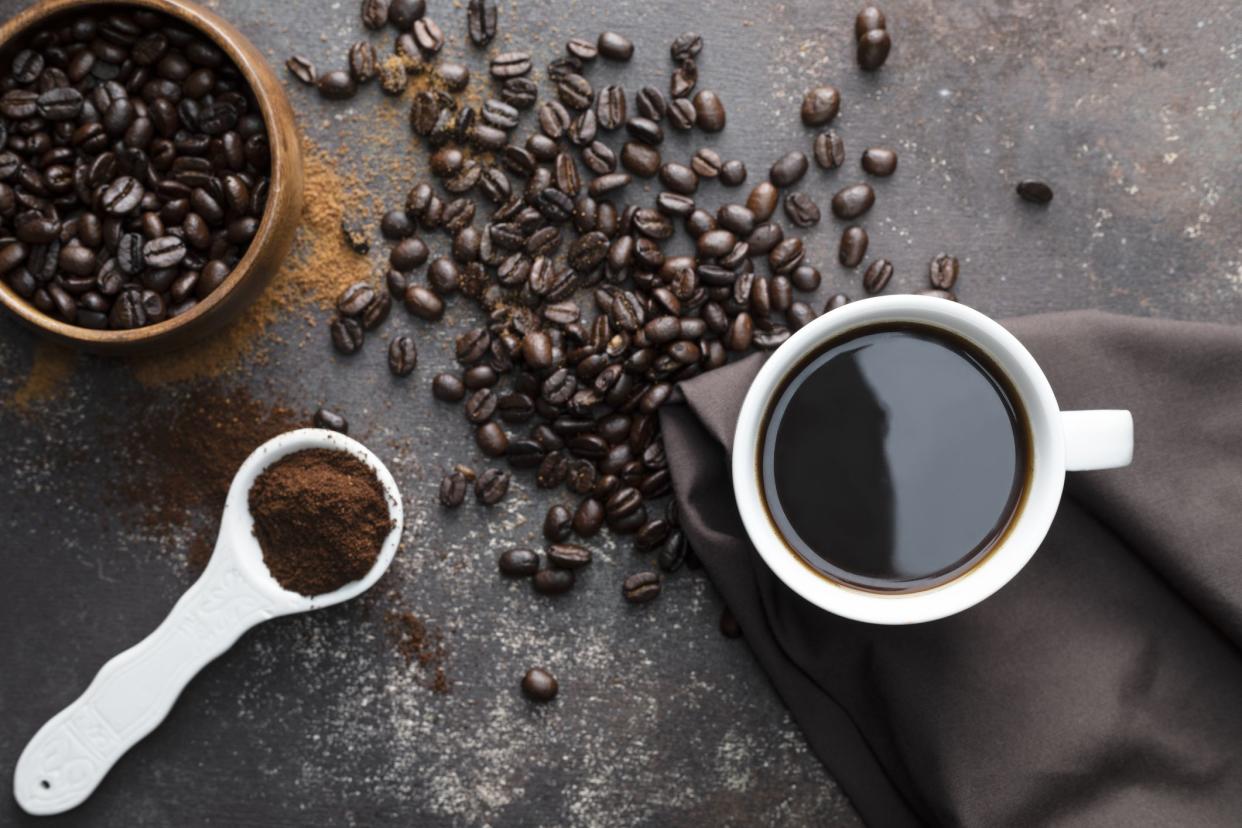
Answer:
(1130, 109)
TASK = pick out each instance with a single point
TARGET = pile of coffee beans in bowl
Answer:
(134, 168)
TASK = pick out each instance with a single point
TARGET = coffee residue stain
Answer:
(50, 370)
(317, 268)
(418, 644)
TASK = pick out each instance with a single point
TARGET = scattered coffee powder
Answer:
(321, 517)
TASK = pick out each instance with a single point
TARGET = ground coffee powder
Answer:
(321, 517)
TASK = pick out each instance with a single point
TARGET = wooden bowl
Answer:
(270, 244)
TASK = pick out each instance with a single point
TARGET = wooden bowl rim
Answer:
(227, 37)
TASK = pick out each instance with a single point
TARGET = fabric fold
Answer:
(1101, 686)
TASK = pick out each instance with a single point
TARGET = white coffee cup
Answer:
(1061, 441)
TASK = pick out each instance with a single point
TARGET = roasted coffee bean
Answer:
(582, 49)
(645, 130)
(480, 406)
(62, 103)
(402, 355)
(1035, 191)
(374, 14)
(679, 178)
(686, 45)
(873, 49)
(789, 169)
(423, 303)
(801, 210)
(805, 278)
(733, 173)
(354, 299)
(122, 195)
(347, 335)
(448, 388)
(588, 518)
(330, 420)
(337, 85)
(684, 78)
(835, 301)
(681, 114)
(428, 36)
(481, 21)
(453, 487)
(492, 486)
(641, 587)
(943, 271)
(562, 66)
(762, 201)
(799, 315)
(568, 555)
(607, 183)
(557, 526)
(879, 161)
(552, 470)
(554, 119)
(519, 562)
(554, 581)
(671, 552)
(868, 19)
(456, 77)
(409, 254)
(575, 91)
(520, 93)
(599, 158)
(610, 107)
(651, 103)
(877, 276)
(853, 247)
(709, 111)
(362, 61)
(403, 13)
(615, 46)
(510, 65)
(740, 333)
(820, 105)
(640, 159)
(829, 150)
(852, 201)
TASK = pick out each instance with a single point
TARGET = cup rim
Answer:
(1029, 526)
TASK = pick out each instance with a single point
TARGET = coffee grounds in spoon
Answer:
(321, 517)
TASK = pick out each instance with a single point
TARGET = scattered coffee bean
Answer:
(403, 13)
(733, 173)
(302, 69)
(801, 210)
(877, 275)
(347, 335)
(519, 562)
(337, 85)
(641, 587)
(539, 685)
(554, 581)
(829, 150)
(873, 49)
(820, 105)
(402, 355)
(568, 555)
(868, 19)
(879, 161)
(851, 202)
(481, 21)
(491, 486)
(453, 488)
(1035, 191)
(853, 247)
(943, 272)
(836, 300)
(557, 523)
(330, 420)
(615, 46)
(709, 111)
(788, 169)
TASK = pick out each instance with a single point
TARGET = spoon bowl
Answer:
(70, 755)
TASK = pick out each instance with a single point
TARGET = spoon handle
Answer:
(134, 691)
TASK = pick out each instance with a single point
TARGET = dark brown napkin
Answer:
(1103, 685)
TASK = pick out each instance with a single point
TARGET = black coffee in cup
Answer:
(894, 458)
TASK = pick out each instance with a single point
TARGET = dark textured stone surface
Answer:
(1129, 112)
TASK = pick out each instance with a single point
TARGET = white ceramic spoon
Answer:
(133, 692)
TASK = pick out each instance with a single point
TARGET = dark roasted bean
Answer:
(820, 105)
(683, 79)
(510, 65)
(402, 355)
(829, 150)
(943, 271)
(877, 276)
(641, 588)
(762, 201)
(554, 581)
(589, 517)
(651, 103)
(851, 202)
(423, 303)
(733, 173)
(709, 111)
(801, 210)
(610, 107)
(453, 488)
(615, 46)
(873, 49)
(448, 387)
(347, 335)
(835, 301)
(686, 45)
(575, 91)
(481, 21)
(330, 420)
(879, 161)
(337, 85)
(869, 18)
(805, 278)
(557, 526)
(520, 93)
(682, 114)
(1035, 191)
(491, 486)
(568, 555)
(519, 562)
(853, 247)
(788, 169)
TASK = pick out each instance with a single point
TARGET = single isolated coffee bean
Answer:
(877, 276)
(337, 85)
(820, 105)
(330, 420)
(1035, 191)
(491, 486)
(873, 49)
(879, 161)
(402, 355)
(829, 150)
(709, 111)
(539, 685)
(615, 46)
(481, 21)
(552, 581)
(852, 201)
(641, 588)
(453, 488)
(853, 247)
(943, 271)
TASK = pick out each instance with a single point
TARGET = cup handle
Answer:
(1097, 439)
